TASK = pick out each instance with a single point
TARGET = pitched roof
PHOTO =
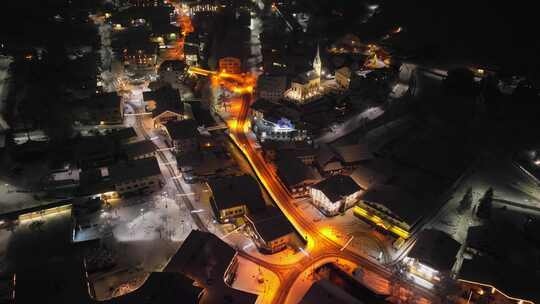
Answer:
(205, 258)
(136, 169)
(166, 99)
(182, 129)
(139, 148)
(400, 203)
(514, 280)
(199, 250)
(270, 223)
(161, 288)
(353, 153)
(337, 186)
(91, 181)
(374, 172)
(436, 249)
(324, 155)
(326, 292)
(292, 171)
(234, 191)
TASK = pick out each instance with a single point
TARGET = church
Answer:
(306, 85)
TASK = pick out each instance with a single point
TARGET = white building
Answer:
(335, 194)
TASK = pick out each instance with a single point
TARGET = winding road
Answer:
(319, 246)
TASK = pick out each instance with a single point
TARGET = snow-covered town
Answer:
(256, 151)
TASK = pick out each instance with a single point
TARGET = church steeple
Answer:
(317, 64)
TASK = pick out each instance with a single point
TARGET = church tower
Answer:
(317, 64)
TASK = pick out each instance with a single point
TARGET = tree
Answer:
(466, 201)
(485, 205)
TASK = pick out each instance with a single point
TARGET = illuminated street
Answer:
(262, 152)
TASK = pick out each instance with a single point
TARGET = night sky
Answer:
(494, 32)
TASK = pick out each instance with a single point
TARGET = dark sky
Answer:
(493, 31)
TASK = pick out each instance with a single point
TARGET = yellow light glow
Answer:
(360, 212)
(328, 233)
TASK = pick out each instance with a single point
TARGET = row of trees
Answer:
(485, 203)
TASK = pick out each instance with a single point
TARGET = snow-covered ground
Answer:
(253, 278)
(350, 125)
(347, 228)
(4, 76)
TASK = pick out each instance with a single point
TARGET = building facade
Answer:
(143, 176)
(270, 121)
(182, 135)
(231, 65)
(306, 86)
(271, 87)
(296, 176)
(166, 105)
(335, 194)
(233, 197)
(143, 56)
(139, 150)
(382, 207)
(270, 230)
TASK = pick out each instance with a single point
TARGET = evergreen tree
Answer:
(466, 201)
(485, 205)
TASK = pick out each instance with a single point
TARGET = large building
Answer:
(139, 150)
(141, 55)
(165, 104)
(325, 291)
(274, 149)
(212, 264)
(230, 65)
(172, 72)
(432, 257)
(335, 194)
(271, 121)
(390, 208)
(100, 109)
(235, 196)
(143, 176)
(306, 86)
(502, 258)
(296, 176)
(271, 87)
(182, 135)
(270, 230)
